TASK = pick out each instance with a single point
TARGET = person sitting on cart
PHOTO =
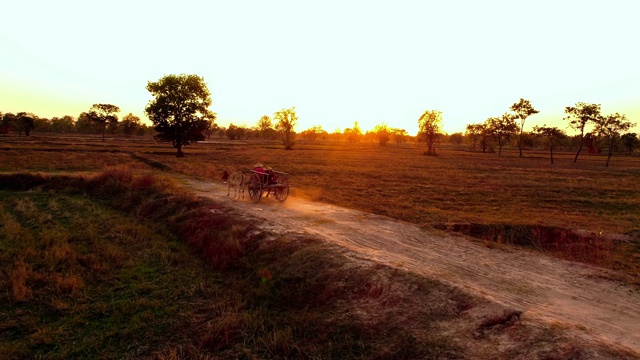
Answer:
(265, 174)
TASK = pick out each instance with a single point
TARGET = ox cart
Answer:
(263, 182)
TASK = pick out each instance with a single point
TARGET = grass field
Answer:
(122, 264)
(454, 187)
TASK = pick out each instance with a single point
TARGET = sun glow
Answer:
(335, 62)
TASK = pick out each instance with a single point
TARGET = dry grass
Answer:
(110, 284)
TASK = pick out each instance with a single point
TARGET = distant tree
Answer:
(553, 135)
(429, 124)
(474, 133)
(180, 110)
(285, 121)
(336, 135)
(382, 133)
(64, 124)
(578, 117)
(630, 141)
(103, 115)
(502, 129)
(312, 133)
(610, 127)
(129, 124)
(211, 129)
(456, 138)
(42, 124)
(8, 123)
(264, 124)
(25, 122)
(523, 109)
(354, 134)
(84, 124)
(232, 132)
(399, 135)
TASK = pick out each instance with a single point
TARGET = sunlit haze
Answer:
(336, 61)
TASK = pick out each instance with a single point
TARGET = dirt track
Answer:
(569, 294)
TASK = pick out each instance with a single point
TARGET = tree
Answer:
(630, 141)
(474, 132)
(63, 124)
(130, 123)
(264, 124)
(103, 115)
(501, 129)
(553, 135)
(8, 123)
(523, 109)
(212, 129)
(353, 134)
(399, 135)
(610, 127)
(382, 133)
(429, 126)
(456, 138)
(25, 122)
(286, 120)
(313, 133)
(578, 117)
(84, 124)
(180, 110)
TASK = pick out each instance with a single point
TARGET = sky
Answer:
(337, 62)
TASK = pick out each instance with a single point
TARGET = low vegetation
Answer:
(123, 266)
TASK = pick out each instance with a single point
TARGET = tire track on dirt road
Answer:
(545, 288)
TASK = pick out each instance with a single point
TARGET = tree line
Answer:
(93, 121)
(608, 131)
(180, 114)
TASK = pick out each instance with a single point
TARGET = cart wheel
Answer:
(255, 188)
(282, 192)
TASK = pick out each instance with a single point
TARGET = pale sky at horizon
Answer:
(336, 61)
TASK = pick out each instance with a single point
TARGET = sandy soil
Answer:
(571, 295)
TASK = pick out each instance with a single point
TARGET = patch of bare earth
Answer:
(529, 305)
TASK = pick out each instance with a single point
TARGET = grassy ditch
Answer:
(621, 253)
(124, 266)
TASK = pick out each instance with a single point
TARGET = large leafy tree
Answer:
(579, 116)
(103, 115)
(285, 121)
(553, 135)
(180, 109)
(610, 127)
(502, 128)
(429, 126)
(523, 109)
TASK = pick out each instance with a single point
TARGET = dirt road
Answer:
(569, 294)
